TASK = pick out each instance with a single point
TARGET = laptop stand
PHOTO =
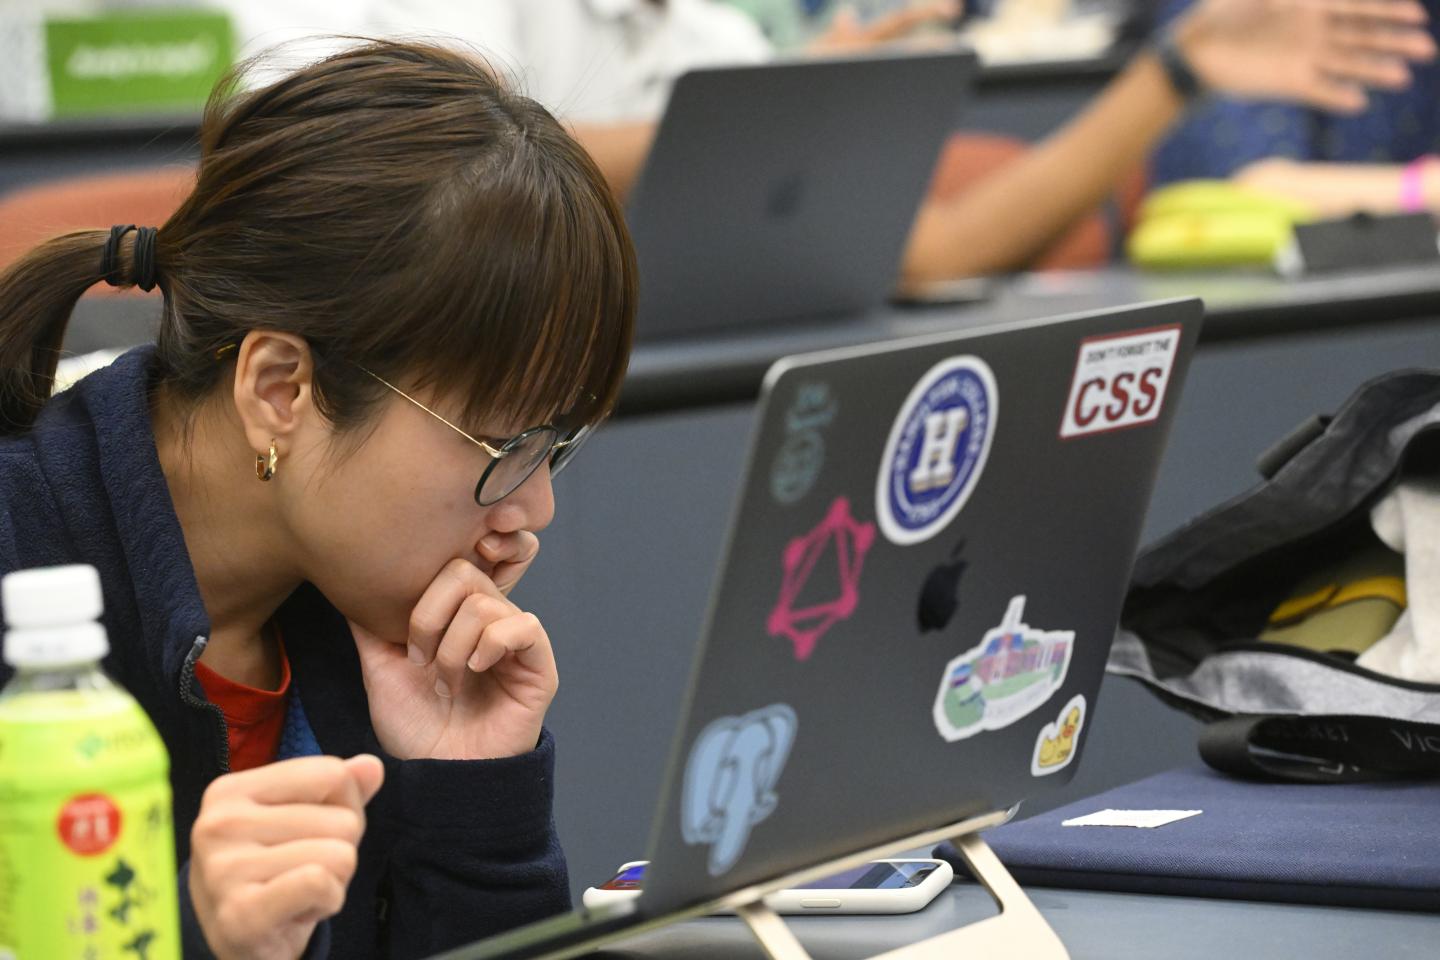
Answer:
(1018, 930)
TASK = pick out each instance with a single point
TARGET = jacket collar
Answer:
(132, 498)
(117, 401)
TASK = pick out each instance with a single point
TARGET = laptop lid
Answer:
(788, 189)
(922, 582)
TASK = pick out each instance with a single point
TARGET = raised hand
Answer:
(1325, 53)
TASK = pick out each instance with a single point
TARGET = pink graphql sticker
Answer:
(849, 540)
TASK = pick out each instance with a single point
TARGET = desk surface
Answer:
(727, 367)
(1093, 926)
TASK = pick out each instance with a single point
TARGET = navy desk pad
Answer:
(1359, 845)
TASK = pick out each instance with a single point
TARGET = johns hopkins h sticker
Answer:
(937, 450)
(730, 780)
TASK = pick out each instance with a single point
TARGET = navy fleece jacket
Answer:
(454, 850)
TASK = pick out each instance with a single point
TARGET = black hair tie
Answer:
(110, 259)
(142, 268)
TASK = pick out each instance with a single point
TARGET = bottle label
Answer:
(87, 853)
(89, 824)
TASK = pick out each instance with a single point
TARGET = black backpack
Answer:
(1201, 598)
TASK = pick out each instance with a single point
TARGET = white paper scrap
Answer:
(1130, 818)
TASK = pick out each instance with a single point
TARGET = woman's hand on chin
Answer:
(472, 680)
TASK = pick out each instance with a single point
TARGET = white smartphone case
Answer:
(594, 897)
(819, 901)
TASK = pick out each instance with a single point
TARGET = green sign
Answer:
(136, 62)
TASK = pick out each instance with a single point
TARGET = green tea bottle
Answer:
(87, 857)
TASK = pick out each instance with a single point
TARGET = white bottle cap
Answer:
(51, 614)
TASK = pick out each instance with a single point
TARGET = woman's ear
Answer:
(274, 377)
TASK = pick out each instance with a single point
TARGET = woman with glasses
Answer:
(395, 302)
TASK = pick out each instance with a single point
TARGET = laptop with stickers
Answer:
(912, 617)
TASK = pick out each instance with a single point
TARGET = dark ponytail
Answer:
(37, 294)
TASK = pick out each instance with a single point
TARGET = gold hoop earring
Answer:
(265, 466)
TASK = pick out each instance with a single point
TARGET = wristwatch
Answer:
(1177, 69)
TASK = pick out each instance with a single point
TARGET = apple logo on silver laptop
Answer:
(783, 198)
(939, 596)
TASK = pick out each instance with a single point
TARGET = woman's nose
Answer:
(530, 506)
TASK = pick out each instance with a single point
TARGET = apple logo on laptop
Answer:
(939, 596)
(784, 196)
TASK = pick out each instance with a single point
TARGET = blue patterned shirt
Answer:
(1221, 136)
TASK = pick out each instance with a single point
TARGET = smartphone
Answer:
(880, 886)
(958, 290)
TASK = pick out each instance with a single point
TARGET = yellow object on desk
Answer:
(1213, 223)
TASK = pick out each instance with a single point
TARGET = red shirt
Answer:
(254, 719)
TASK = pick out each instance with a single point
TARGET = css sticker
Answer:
(1120, 381)
(936, 450)
(797, 463)
(730, 780)
(839, 544)
(1055, 746)
(1014, 670)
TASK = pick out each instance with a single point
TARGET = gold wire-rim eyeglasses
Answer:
(558, 450)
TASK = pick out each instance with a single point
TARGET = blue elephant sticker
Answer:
(730, 780)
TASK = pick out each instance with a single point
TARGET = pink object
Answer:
(1412, 187)
(849, 540)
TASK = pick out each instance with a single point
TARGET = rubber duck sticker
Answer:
(838, 544)
(1055, 746)
(1013, 670)
(730, 781)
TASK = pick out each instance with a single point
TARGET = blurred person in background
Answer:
(1381, 159)
(605, 68)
